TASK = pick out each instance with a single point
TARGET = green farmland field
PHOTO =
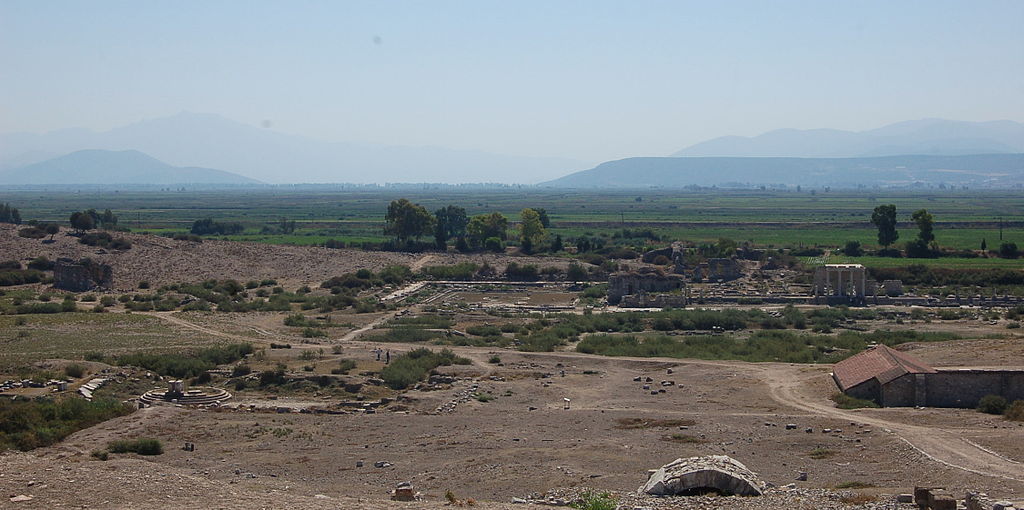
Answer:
(770, 218)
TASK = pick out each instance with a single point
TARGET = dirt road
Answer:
(786, 384)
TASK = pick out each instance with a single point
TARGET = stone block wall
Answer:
(83, 275)
(964, 388)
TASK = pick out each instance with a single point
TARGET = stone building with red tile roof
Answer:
(893, 378)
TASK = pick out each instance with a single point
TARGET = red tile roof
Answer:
(879, 362)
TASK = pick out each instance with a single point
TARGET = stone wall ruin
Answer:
(83, 275)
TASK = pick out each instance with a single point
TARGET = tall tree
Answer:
(531, 230)
(485, 226)
(82, 221)
(544, 220)
(9, 214)
(52, 229)
(884, 217)
(405, 219)
(925, 225)
(451, 223)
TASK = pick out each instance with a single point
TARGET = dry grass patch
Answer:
(821, 453)
(683, 438)
(648, 423)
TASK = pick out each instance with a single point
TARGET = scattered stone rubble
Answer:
(86, 389)
(771, 499)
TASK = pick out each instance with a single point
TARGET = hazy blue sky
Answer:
(588, 80)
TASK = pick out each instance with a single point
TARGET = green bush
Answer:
(992, 404)
(406, 335)
(187, 366)
(1015, 411)
(460, 271)
(414, 366)
(344, 367)
(596, 501)
(74, 370)
(30, 424)
(142, 446)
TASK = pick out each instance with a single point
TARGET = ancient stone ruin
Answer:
(177, 394)
(83, 275)
(643, 281)
(701, 475)
(719, 270)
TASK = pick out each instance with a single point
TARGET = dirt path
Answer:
(942, 446)
(169, 317)
(784, 383)
(421, 263)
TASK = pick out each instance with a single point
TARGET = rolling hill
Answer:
(926, 137)
(980, 170)
(208, 140)
(115, 167)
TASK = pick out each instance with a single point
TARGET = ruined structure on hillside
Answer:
(641, 288)
(83, 275)
(718, 270)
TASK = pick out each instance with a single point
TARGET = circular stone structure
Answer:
(176, 394)
(699, 475)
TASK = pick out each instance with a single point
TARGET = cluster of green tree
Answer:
(17, 276)
(919, 274)
(28, 424)
(207, 226)
(39, 230)
(187, 365)
(105, 240)
(283, 226)
(90, 219)
(364, 279)
(9, 214)
(884, 218)
(407, 221)
(413, 366)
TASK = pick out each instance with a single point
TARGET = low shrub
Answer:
(992, 404)
(74, 370)
(344, 366)
(595, 501)
(412, 367)
(141, 446)
(28, 424)
(1015, 411)
(844, 401)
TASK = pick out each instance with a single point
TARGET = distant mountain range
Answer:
(98, 167)
(983, 170)
(206, 140)
(937, 137)
(191, 144)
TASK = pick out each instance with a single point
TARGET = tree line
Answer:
(408, 222)
(923, 245)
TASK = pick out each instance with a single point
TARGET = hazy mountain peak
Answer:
(210, 140)
(95, 166)
(922, 136)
